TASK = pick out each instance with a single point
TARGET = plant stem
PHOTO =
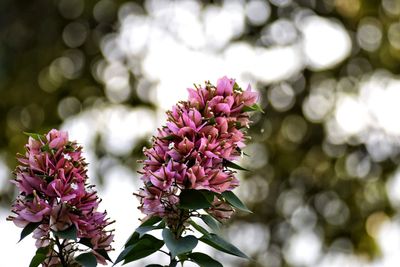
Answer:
(60, 252)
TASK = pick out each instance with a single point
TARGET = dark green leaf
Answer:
(232, 199)
(232, 165)
(40, 256)
(252, 108)
(193, 199)
(168, 137)
(217, 242)
(37, 137)
(141, 230)
(209, 195)
(86, 242)
(104, 253)
(69, 233)
(198, 227)
(87, 259)
(45, 148)
(178, 246)
(29, 228)
(37, 260)
(203, 260)
(144, 247)
(132, 239)
(211, 222)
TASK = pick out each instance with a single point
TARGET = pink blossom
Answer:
(52, 182)
(190, 150)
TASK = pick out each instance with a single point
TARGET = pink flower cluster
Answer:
(53, 188)
(191, 150)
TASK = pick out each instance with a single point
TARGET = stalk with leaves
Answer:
(189, 175)
(56, 203)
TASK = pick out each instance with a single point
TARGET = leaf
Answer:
(29, 228)
(178, 246)
(252, 108)
(87, 259)
(211, 222)
(193, 199)
(198, 227)
(39, 257)
(168, 137)
(230, 164)
(45, 148)
(104, 253)
(37, 137)
(132, 239)
(69, 233)
(217, 242)
(232, 199)
(85, 241)
(203, 260)
(141, 230)
(144, 247)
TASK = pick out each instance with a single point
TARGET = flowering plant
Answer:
(188, 174)
(56, 203)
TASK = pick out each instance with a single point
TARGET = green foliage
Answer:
(87, 259)
(39, 257)
(194, 199)
(211, 222)
(28, 229)
(221, 244)
(203, 260)
(232, 199)
(180, 245)
(69, 233)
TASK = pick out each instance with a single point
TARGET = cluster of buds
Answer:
(54, 197)
(192, 150)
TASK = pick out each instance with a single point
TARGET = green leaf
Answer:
(87, 259)
(217, 242)
(37, 137)
(132, 239)
(85, 241)
(211, 222)
(45, 148)
(168, 137)
(232, 199)
(37, 260)
(141, 230)
(193, 199)
(69, 233)
(209, 195)
(230, 164)
(203, 260)
(29, 228)
(39, 257)
(104, 253)
(198, 227)
(178, 246)
(252, 108)
(144, 247)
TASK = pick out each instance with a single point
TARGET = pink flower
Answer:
(190, 150)
(53, 188)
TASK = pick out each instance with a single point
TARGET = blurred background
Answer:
(324, 185)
